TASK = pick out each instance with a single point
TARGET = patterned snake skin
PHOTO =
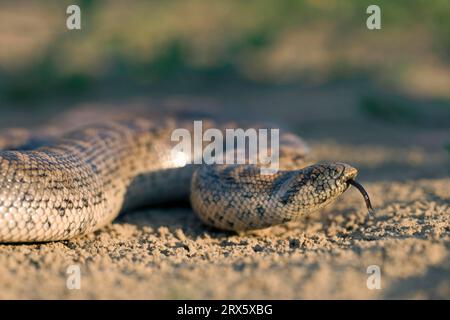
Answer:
(83, 180)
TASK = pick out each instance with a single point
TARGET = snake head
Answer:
(318, 185)
(334, 174)
(330, 180)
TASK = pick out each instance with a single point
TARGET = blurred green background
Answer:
(306, 64)
(196, 44)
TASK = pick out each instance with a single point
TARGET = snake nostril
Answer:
(349, 172)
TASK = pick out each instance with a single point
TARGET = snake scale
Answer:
(82, 180)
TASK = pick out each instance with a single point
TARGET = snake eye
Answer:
(335, 174)
(341, 171)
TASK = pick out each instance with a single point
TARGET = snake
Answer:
(80, 181)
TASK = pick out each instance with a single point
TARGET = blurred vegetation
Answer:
(265, 41)
(401, 110)
(390, 110)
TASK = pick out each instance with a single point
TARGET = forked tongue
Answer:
(364, 193)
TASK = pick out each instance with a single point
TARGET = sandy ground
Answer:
(166, 253)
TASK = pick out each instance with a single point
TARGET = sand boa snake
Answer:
(84, 179)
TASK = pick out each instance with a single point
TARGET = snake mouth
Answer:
(364, 193)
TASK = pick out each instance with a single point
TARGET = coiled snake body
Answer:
(83, 180)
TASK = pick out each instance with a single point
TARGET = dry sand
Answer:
(166, 253)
